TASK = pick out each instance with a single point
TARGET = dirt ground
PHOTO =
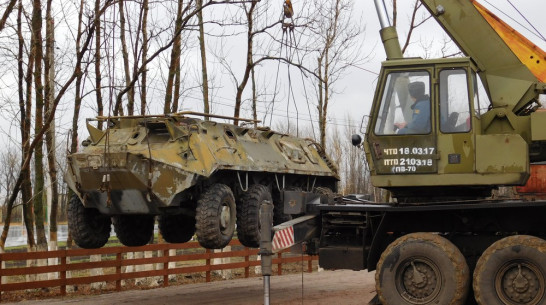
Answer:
(326, 287)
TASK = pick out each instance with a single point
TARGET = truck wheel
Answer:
(325, 191)
(215, 217)
(134, 230)
(512, 271)
(177, 228)
(248, 215)
(88, 227)
(422, 268)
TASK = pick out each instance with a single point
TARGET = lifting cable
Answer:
(287, 13)
(304, 88)
(289, 40)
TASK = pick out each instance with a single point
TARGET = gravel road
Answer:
(326, 287)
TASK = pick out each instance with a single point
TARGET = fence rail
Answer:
(14, 270)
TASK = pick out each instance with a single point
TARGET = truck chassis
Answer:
(433, 253)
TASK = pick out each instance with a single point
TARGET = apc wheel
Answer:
(215, 217)
(88, 227)
(512, 271)
(422, 268)
(176, 228)
(134, 230)
(248, 215)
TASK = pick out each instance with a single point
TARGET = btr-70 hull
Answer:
(198, 176)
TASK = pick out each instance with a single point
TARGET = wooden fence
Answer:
(115, 262)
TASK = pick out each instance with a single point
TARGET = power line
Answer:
(514, 20)
(524, 18)
(332, 121)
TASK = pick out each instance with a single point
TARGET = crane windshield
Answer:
(405, 104)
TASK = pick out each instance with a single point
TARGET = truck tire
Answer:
(215, 217)
(422, 268)
(88, 227)
(248, 215)
(134, 230)
(512, 271)
(176, 228)
(325, 191)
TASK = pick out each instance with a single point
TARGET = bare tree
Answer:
(338, 37)
(49, 73)
(40, 134)
(98, 77)
(10, 166)
(174, 65)
(126, 67)
(37, 50)
(143, 84)
(204, 73)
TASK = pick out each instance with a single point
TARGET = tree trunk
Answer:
(254, 99)
(125, 54)
(98, 87)
(39, 123)
(321, 122)
(177, 81)
(175, 60)
(26, 187)
(143, 88)
(79, 76)
(50, 135)
(205, 77)
(249, 63)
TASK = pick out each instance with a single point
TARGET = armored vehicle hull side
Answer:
(164, 165)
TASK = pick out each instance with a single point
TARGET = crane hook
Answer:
(288, 10)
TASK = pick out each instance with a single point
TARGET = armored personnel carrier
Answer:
(197, 176)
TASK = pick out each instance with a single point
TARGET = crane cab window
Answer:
(454, 101)
(405, 104)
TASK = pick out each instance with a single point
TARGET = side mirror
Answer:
(86, 142)
(356, 139)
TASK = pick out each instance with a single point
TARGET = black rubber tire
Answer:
(248, 214)
(215, 217)
(134, 230)
(88, 227)
(325, 191)
(513, 258)
(438, 267)
(176, 228)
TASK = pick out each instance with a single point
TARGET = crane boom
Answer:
(508, 63)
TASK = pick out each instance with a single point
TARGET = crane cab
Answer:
(428, 132)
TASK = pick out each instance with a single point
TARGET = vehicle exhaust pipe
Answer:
(388, 33)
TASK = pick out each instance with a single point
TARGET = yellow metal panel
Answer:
(530, 55)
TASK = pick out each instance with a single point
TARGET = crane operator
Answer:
(420, 120)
